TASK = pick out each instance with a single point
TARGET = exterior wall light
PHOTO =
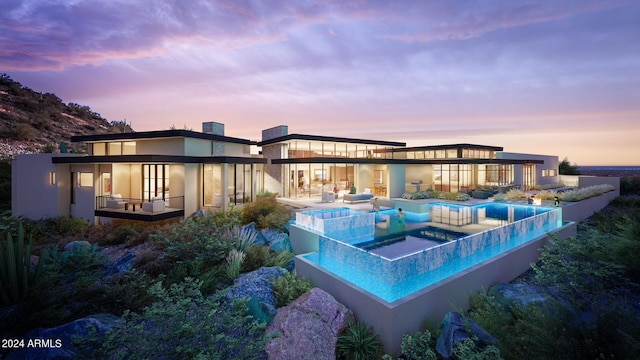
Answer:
(52, 177)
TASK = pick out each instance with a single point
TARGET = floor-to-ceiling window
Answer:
(528, 176)
(155, 181)
(212, 185)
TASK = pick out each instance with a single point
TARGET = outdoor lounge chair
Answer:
(364, 196)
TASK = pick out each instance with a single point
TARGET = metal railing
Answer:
(131, 204)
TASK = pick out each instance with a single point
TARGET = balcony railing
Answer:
(139, 209)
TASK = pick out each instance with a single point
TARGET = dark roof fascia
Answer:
(158, 159)
(450, 146)
(160, 134)
(403, 161)
(329, 139)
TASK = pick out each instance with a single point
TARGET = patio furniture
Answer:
(116, 201)
(364, 196)
(156, 204)
(328, 196)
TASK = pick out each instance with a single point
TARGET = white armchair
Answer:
(155, 205)
(115, 201)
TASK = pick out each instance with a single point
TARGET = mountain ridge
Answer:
(34, 122)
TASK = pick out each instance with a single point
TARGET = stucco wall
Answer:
(392, 320)
(169, 146)
(550, 163)
(32, 195)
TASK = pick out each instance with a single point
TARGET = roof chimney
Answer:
(275, 132)
(213, 128)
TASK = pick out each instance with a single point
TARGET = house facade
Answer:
(304, 166)
(157, 175)
(146, 176)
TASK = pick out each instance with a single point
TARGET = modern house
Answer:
(146, 176)
(304, 166)
(157, 175)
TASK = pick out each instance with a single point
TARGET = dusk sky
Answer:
(548, 77)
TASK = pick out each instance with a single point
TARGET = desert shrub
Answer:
(626, 248)
(194, 248)
(462, 196)
(468, 350)
(234, 264)
(263, 256)
(500, 197)
(632, 201)
(66, 289)
(515, 194)
(546, 195)
(548, 186)
(289, 287)
(579, 267)
(630, 185)
(418, 346)
(585, 192)
(23, 132)
(125, 291)
(358, 342)
(266, 213)
(64, 225)
(265, 194)
(523, 333)
(183, 324)
(224, 218)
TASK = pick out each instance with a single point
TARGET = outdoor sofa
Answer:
(364, 196)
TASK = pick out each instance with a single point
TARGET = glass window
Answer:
(452, 153)
(115, 148)
(99, 149)
(85, 179)
(129, 148)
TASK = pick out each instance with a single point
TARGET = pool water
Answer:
(392, 261)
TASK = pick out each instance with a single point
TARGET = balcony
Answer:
(139, 209)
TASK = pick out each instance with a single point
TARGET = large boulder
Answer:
(278, 241)
(456, 328)
(77, 243)
(308, 328)
(251, 228)
(57, 342)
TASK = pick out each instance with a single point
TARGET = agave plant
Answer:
(16, 275)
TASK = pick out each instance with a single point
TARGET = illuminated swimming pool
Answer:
(392, 255)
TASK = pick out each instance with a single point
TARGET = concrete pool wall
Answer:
(391, 321)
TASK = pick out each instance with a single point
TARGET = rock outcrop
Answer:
(57, 342)
(308, 328)
(456, 328)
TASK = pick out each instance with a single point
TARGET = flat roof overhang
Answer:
(160, 134)
(158, 159)
(319, 160)
(329, 139)
(449, 147)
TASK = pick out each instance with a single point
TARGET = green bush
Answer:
(262, 256)
(358, 342)
(626, 249)
(63, 226)
(67, 288)
(194, 248)
(630, 185)
(265, 212)
(289, 287)
(468, 350)
(632, 201)
(418, 346)
(182, 324)
(234, 264)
